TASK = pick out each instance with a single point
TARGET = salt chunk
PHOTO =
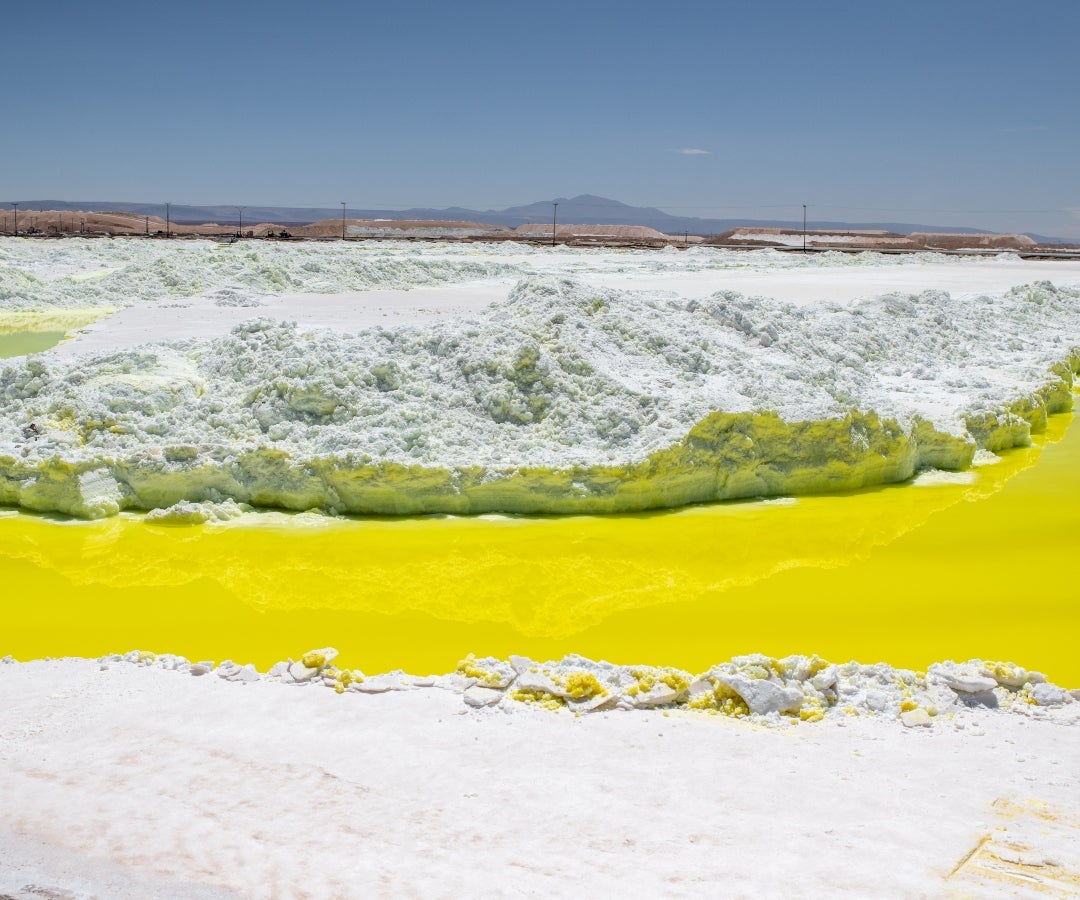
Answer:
(228, 669)
(763, 696)
(479, 697)
(521, 663)
(301, 673)
(1050, 695)
(826, 678)
(915, 717)
(537, 681)
(963, 679)
(246, 674)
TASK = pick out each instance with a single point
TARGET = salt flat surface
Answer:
(202, 317)
(131, 782)
(160, 303)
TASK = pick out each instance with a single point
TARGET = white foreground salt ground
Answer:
(124, 780)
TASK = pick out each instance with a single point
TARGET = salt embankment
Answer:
(565, 397)
(773, 691)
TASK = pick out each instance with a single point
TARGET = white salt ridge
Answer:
(564, 397)
(123, 273)
(120, 273)
(792, 689)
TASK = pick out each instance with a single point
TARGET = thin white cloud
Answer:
(692, 151)
(1074, 212)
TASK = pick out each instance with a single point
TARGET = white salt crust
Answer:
(118, 273)
(564, 397)
(129, 779)
(793, 688)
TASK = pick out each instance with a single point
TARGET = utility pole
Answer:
(804, 228)
(147, 223)
(168, 224)
(240, 210)
(554, 216)
(16, 206)
(343, 220)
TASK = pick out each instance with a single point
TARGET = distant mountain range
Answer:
(583, 209)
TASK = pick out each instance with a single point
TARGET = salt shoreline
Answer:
(133, 781)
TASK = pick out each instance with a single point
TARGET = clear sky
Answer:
(942, 112)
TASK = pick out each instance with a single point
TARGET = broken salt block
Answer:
(964, 680)
(247, 674)
(1008, 675)
(761, 695)
(826, 679)
(521, 663)
(201, 668)
(596, 703)
(915, 717)
(538, 682)
(228, 669)
(311, 664)
(481, 696)
(453, 682)
(1050, 695)
(659, 694)
(301, 673)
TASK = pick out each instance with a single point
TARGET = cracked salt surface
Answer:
(562, 396)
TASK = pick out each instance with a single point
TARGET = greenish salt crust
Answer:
(725, 456)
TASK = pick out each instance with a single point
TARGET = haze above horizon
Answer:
(956, 113)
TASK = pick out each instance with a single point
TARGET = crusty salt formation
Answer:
(565, 397)
(117, 273)
(791, 689)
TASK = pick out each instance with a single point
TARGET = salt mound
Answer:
(563, 398)
(80, 273)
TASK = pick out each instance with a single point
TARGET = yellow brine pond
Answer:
(949, 565)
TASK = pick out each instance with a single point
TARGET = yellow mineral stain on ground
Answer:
(977, 564)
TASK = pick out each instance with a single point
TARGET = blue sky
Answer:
(935, 112)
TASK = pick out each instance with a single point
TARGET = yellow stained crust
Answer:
(469, 669)
(540, 698)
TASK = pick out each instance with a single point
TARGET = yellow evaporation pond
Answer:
(974, 564)
(32, 331)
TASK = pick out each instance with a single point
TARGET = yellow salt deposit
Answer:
(908, 574)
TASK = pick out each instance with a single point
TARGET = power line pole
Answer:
(240, 210)
(16, 206)
(554, 216)
(168, 224)
(343, 220)
(804, 228)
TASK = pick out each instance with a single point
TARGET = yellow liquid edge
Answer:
(976, 564)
